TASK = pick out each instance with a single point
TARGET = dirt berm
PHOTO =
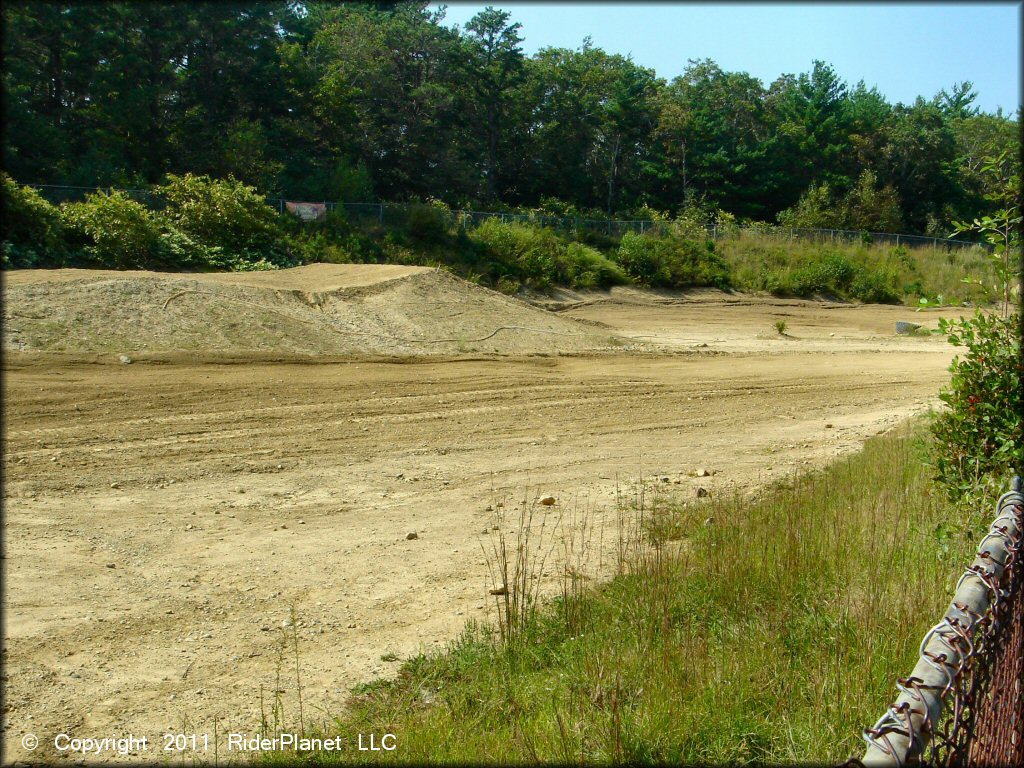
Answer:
(316, 309)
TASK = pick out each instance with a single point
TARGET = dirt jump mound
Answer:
(316, 309)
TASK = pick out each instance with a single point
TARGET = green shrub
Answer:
(979, 436)
(115, 231)
(586, 267)
(875, 286)
(830, 273)
(33, 230)
(668, 260)
(225, 214)
(529, 253)
(179, 250)
(318, 246)
(429, 222)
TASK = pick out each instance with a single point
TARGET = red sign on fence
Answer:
(307, 211)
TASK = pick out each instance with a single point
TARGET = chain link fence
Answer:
(963, 704)
(368, 215)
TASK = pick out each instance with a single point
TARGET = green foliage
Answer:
(669, 260)
(361, 101)
(830, 273)
(816, 209)
(587, 267)
(877, 286)
(224, 214)
(531, 254)
(865, 207)
(429, 223)
(114, 231)
(33, 230)
(1001, 229)
(868, 273)
(179, 250)
(979, 440)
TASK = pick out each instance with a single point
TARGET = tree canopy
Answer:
(359, 102)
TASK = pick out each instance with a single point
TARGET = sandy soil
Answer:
(312, 310)
(166, 519)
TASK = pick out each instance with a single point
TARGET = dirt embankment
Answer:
(317, 309)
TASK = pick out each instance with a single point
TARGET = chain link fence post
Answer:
(957, 657)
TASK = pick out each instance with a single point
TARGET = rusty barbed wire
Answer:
(974, 658)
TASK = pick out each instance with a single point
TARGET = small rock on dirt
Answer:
(411, 536)
(702, 493)
(548, 501)
(124, 359)
(905, 328)
(703, 473)
(111, 565)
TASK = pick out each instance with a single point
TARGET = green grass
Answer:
(773, 632)
(869, 273)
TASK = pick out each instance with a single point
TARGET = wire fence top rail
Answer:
(974, 658)
(379, 211)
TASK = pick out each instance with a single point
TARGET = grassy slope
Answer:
(774, 633)
(782, 266)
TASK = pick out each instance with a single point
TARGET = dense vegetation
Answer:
(199, 223)
(355, 102)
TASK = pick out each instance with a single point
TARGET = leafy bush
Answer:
(586, 267)
(529, 253)
(225, 214)
(33, 230)
(180, 250)
(875, 286)
(668, 260)
(831, 273)
(115, 231)
(428, 222)
(979, 438)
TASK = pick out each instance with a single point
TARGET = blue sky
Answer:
(905, 49)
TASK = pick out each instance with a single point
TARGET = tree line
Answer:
(362, 102)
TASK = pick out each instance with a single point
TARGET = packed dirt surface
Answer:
(175, 524)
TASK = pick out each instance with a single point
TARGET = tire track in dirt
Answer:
(222, 508)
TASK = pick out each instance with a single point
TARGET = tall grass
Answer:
(867, 272)
(737, 631)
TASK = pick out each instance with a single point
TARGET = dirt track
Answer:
(164, 518)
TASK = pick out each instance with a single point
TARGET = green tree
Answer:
(495, 66)
(919, 161)
(564, 89)
(713, 126)
(868, 208)
(813, 124)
